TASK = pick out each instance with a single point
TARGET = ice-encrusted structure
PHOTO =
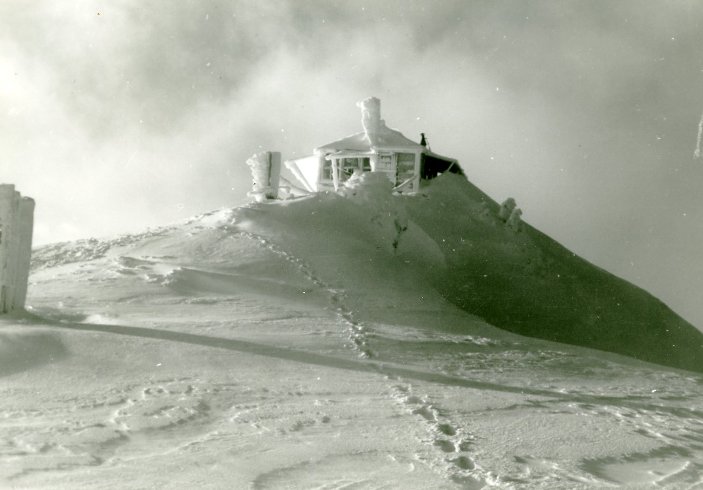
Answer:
(405, 163)
(515, 220)
(371, 116)
(265, 172)
(16, 226)
(506, 209)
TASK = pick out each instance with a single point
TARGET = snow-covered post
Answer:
(274, 174)
(515, 220)
(16, 224)
(25, 230)
(335, 173)
(506, 209)
(265, 172)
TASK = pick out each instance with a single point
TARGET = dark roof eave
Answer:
(437, 155)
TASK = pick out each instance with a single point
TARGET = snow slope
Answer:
(529, 284)
(311, 344)
(523, 282)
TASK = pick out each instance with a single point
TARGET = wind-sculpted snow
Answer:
(310, 344)
(21, 350)
(527, 283)
(453, 239)
(84, 250)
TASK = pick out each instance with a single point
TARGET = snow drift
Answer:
(316, 343)
(452, 240)
(391, 253)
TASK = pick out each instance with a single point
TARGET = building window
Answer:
(405, 170)
(384, 163)
(405, 165)
(366, 165)
(347, 166)
(406, 162)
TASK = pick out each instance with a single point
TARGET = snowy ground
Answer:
(215, 354)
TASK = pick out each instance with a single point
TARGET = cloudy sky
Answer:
(123, 115)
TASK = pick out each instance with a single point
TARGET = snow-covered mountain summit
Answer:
(341, 340)
(389, 253)
(450, 240)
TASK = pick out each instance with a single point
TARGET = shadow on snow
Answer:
(392, 371)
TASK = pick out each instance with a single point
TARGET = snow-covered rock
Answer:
(506, 208)
(515, 220)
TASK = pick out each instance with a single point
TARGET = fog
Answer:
(120, 116)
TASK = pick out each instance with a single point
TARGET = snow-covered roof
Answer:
(375, 134)
(362, 141)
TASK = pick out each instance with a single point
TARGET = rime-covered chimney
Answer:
(371, 115)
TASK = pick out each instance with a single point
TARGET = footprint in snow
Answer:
(446, 437)
(161, 407)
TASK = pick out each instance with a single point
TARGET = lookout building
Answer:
(377, 148)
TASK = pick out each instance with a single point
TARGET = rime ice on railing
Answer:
(16, 225)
